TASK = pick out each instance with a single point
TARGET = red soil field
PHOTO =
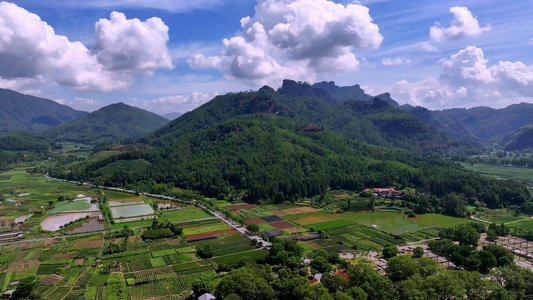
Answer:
(255, 221)
(242, 206)
(343, 274)
(282, 225)
(209, 234)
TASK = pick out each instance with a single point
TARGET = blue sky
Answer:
(174, 55)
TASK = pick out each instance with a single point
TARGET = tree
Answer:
(201, 286)
(390, 251)
(321, 264)
(25, 288)
(503, 256)
(334, 283)
(418, 252)
(253, 227)
(488, 260)
(357, 293)
(457, 259)
(401, 267)
(205, 252)
(246, 282)
(466, 235)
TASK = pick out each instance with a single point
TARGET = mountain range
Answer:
(19, 112)
(348, 110)
(374, 122)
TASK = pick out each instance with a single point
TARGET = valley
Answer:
(302, 183)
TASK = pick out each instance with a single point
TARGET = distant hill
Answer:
(25, 141)
(19, 112)
(375, 122)
(113, 123)
(172, 116)
(477, 125)
(523, 139)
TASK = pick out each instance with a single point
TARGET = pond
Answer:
(124, 203)
(127, 211)
(90, 225)
(168, 205)
(22, 219)
(53, 223)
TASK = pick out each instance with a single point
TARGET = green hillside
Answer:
(269, 157)
(113, 123)
(25, 141)
(374, 122)
(19, 112)
(520, 140)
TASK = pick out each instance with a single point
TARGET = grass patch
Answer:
(232, 259)
(526, 224)
(186, 214)
(329, 224)
(399, 223)
(500, 172)
(502, 218)
(70, 206)
(131, 224)
(204, 227)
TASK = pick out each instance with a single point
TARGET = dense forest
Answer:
(274, 158)
(25, 141)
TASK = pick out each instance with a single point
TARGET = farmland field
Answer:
(520, 174)
(186, 214)
(399, 223)
(234, 258)
(208, 226)
(526, 224)
(329, 224)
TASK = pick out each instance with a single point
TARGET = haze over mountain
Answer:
(173, 115)
(19, 112)
(520, 140)
(113, 123)
(478, 125)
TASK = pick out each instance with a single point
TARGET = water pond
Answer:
(53, 223)
(90, 225)
(128, 211)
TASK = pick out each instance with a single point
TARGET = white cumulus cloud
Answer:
(31, 50)
(467, 79)
(83, 104)
(295, 39)
(387, 61)
(174, 103)
(463, 25)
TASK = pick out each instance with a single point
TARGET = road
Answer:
(93, 232)
(217, 214)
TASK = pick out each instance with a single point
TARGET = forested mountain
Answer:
(374, 121)
(523, 139)
(25, 141)
(269, 157)
(19, 112)
(113, 123)
(479, 124)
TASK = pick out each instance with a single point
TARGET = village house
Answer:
(387, 192)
